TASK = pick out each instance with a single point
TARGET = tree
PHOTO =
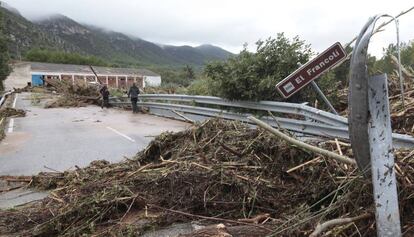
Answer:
(253, 76)
(4, 56)
(384, 65)
(177, 77)
(189, 72)
(50, 56)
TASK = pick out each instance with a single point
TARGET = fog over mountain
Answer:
(231, 23)
(58, 32)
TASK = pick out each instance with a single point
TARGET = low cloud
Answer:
(229, 23)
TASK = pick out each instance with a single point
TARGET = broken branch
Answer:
(207, 217)
(340, 221)
(302, 145)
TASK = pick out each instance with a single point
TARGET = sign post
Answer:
(311, 70)
(322, 95)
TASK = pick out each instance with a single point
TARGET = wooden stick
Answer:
(10, 189)
(139, 170)
(340, 143)
(129, 208)
(236, 175)
(201, 166)
(57, 171)
(394, 62)
(302, 145)
(304, 164)
(207, 217)
(377, 30)
(338, 147)
(340, 221)
(183, 116)
(397, 168)
(219, 132)
(407, 156)
(227, 148)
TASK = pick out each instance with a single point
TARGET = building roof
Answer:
(124, 71)
(82, 69)
(60, 68)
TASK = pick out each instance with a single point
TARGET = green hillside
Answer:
(60, 33)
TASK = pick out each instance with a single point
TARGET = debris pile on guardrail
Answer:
(77, 95)
(11, 112)
(8, 112)
(402, 118)
(217, 172)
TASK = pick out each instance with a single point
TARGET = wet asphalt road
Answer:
(61, 138)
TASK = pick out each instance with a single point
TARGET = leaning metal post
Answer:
(322, 95)
(371, 135)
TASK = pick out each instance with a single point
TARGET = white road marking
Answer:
(11, 125)
(15, 100)
(121, 134)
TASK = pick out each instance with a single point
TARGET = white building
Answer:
(113, 77)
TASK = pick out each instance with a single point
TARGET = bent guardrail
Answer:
(307, 120)
(3, 97)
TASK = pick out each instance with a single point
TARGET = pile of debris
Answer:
(8, 112)
(402, 117)
(11, 112)
(24, 89)
(77, 95)
(218, 172)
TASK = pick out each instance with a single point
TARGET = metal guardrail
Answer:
(315, 122)
(277, 107)
(4, 96)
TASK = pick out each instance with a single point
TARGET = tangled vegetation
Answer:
(216, 172)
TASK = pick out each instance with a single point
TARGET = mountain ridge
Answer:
(59, 32)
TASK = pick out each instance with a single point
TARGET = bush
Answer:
(384, 65)
(4, 56)
(253, 76)
(176, 76)
(202, 86)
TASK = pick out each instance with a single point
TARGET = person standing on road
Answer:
(105, 96)
(133, 94)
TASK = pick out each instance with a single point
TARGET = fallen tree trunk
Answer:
(302, 145)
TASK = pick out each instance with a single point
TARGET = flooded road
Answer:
(62, 138)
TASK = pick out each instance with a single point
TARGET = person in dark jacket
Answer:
(105, 96)
(133, 94)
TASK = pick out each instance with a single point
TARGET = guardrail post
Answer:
(371, 135)
(382, 159)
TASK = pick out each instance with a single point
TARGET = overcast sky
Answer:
(230, 23)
